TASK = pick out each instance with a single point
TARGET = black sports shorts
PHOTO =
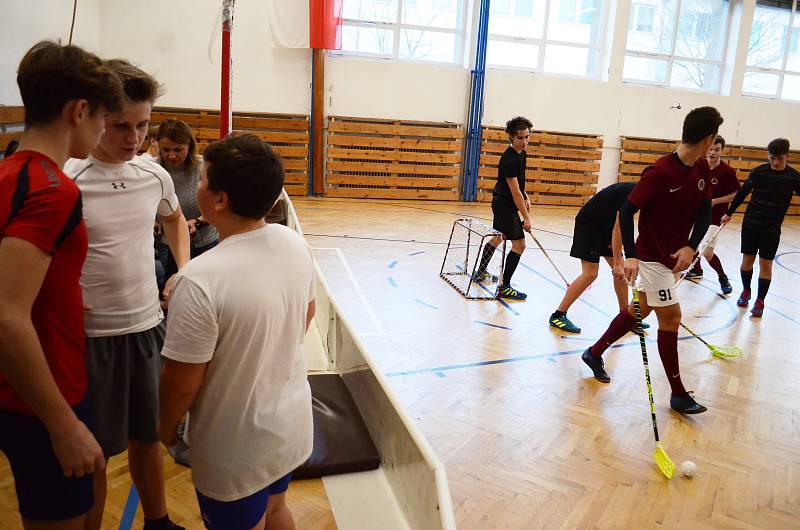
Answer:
(588, 243)
(506, 219)
(761, 242)
(44, 493)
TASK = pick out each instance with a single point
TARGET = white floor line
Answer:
(376, 323)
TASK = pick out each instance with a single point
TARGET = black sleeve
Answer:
(701, 224)
(626, 213)
(741, 195)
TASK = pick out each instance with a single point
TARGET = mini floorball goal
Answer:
(462, 260)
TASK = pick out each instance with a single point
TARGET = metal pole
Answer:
(225, 112)
(473, 148)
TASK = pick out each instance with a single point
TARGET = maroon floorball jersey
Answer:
(723, 182)
(669, 196)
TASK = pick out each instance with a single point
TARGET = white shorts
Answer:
(658, 283)
(710, 238)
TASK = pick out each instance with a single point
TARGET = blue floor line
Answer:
(507, 360)
(731, 320)
(491, 325)
(126, 522)
(393, 264)
(781, 265)
(426, 304)
(393, 282)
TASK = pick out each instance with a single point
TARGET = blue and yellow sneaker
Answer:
(484, 276)
(510, 293)
(563, 323)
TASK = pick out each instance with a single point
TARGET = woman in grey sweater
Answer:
(178, 155)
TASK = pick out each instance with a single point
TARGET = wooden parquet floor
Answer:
(528, 437)
(306, 498)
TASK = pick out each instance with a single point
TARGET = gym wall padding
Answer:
(342, 443)
(562, 168)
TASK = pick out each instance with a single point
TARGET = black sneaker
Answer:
(694, 274)
(685, 404)
(725, 285)
(597, 366)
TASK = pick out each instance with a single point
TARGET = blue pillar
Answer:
(472, 153)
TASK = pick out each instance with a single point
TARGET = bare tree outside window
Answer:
(424, 30)
(677, 43)
(773, 52)
(552, 36)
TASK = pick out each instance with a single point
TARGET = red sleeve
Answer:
(649, 186)
(44, 214)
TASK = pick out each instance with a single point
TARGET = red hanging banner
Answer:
(325, 24)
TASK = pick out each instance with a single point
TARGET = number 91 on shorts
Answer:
(658, 283)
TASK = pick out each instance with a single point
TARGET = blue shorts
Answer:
(241, 514)
(44, 493)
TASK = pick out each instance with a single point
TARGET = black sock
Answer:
(486, 257)
(163, 523)
(511, 265)
(763, 287)
(747, 277)
(559, 314)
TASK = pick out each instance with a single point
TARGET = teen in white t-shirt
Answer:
(124, 325)
(120, 202)
(234, 346)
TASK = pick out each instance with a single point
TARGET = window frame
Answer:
(780, 72)
(398, 26)
(672, 58)
(543, 41)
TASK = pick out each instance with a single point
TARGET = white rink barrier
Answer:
(415, 475)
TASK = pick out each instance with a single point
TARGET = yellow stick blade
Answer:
(663, 461)
(725, 351)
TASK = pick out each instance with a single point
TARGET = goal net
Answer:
(462, 260)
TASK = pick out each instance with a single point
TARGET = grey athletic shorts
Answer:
(123, 385)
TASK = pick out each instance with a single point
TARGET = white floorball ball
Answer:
(688, 468)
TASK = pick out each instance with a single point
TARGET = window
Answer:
(422, 30)
(554, 36)
(773, 53)
(676, 43)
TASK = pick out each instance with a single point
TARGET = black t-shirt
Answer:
(600, 213)
(772, 193)
(511, 165)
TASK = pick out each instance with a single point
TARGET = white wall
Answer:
(390, 89)
(179, 41)
(24, 23)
